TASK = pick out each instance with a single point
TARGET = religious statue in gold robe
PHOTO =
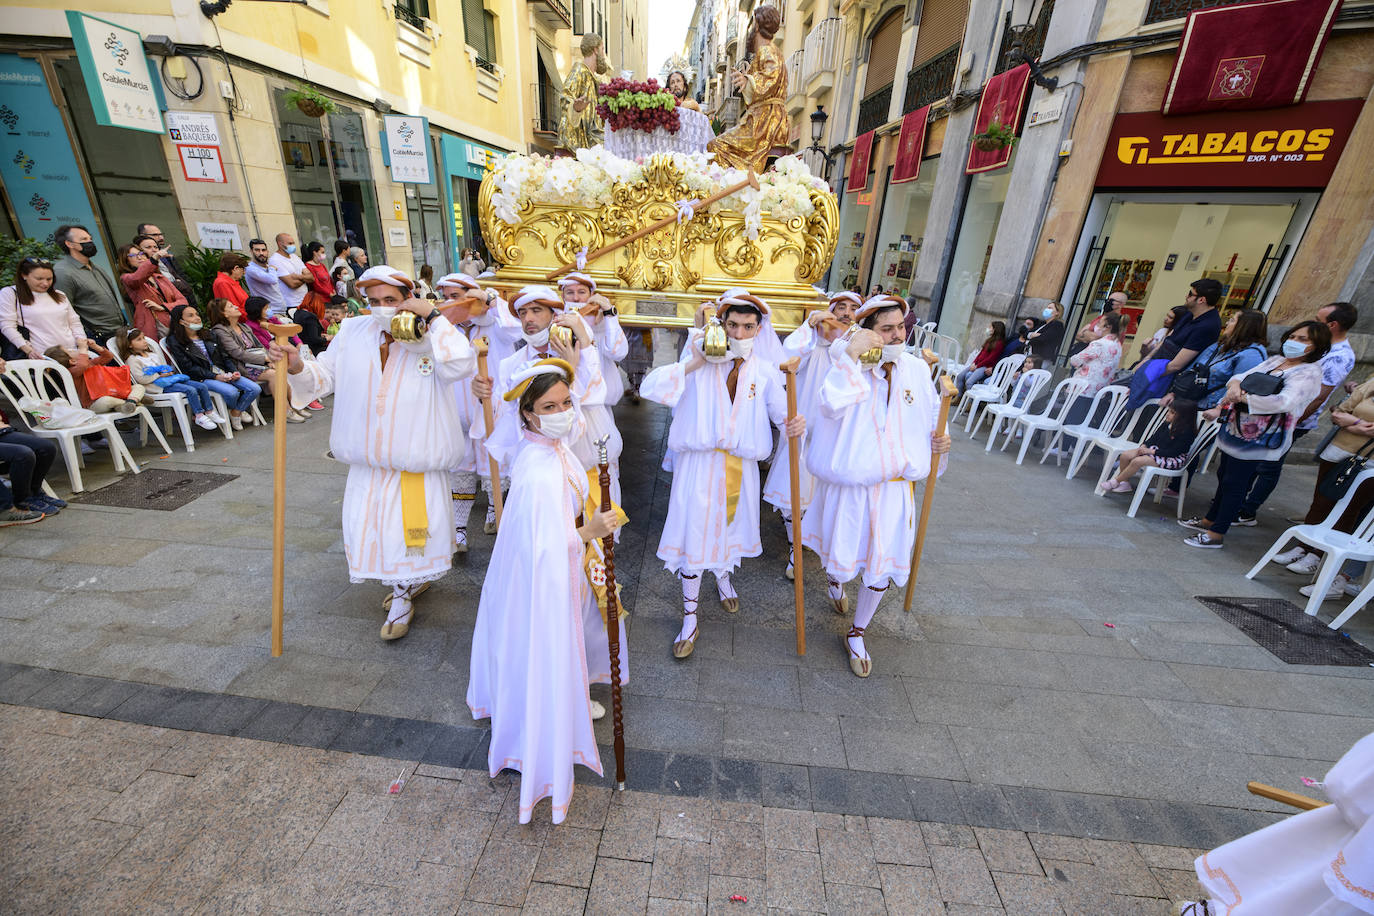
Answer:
(763, 84)
(579, 126)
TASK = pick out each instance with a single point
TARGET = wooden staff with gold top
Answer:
(612, 618)
(789, 369)
(1263, 790)
(947, 393)
(751, 182)
(280, 333)
(481, 346)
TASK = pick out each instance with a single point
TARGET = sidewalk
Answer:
(106, 817)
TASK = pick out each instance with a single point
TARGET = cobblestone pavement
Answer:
(1058, 676)
(107, 817)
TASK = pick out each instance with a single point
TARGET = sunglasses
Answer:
(36, 262)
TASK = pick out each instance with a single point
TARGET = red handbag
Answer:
(108, 381)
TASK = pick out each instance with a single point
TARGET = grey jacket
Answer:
(92, 293)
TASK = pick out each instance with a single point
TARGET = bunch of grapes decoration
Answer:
(630, 105)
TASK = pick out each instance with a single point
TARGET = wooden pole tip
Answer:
(283, 330)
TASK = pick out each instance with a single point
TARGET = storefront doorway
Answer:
(1152, 246)
(902, 228)
(849, 253)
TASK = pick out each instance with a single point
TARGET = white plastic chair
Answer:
(1205, 444)
(171, 403)
(1051, 419)
(1113, 444)
(1110, 404)
(221, 406)
(23, 378)
(1336, 546)
(1023, 395)
(993, 391)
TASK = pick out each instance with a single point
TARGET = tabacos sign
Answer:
(1295, 147)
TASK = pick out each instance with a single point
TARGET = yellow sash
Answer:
(594, 559)
(734, 475)
(414, 517)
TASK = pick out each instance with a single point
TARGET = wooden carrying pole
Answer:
(280, 393)
(789, 369)
(751, 182)
(612, 620)
(947, 392)
(1284, 796)
(481, 346)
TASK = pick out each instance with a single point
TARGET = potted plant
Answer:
(997, 136)
(311, 102)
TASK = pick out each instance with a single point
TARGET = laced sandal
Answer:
(791, 573)
(489, 524)
(840, 605)
(862, 667)
(418, 591)
(395, 629)
(460, 540)
(682, 648)
(731, 605)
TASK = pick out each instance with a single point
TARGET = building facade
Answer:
(228, 155)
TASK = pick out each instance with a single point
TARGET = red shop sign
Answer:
(1294, 147)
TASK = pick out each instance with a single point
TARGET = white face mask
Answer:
(892, 351)
(484, 319)
(557, 425)
(740, 349)
(538, 340)
(382, 314)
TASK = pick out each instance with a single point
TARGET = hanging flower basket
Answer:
(997, 136)
(309, 102)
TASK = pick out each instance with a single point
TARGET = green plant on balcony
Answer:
(311, 102)
(996, 136)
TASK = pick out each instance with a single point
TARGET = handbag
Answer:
(1195, 384)
(1336, 482)
(1262, 384)
(108, 381)
(8, 350)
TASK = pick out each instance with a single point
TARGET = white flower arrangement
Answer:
(588, 179)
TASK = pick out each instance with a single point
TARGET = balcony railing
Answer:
(1033, 41)
(731, 26)
(546, 108)
(823, 46)
(553, 13)
(1167, 10)
(794, 72)
(932, 80)
(413, 13)
(873, 109)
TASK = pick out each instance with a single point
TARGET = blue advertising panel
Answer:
(36, 161)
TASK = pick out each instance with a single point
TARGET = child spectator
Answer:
(79, 362)
(334, 314)
(149, 368)
(197, 352)
(1168, 448)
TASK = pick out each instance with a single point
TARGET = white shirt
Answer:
(289, 265)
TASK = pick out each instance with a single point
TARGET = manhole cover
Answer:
(1284, 631)
(155, 488)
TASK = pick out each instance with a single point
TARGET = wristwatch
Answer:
(429, 319)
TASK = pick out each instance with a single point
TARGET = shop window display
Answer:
(849, 255)
(902, 229)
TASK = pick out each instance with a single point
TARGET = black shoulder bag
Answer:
(1336, 482)
(8, 350)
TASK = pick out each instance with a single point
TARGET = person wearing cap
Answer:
(540, 640)
(472, 310)
(580, 295)
(538, 309)
(722, 410)
(397, 427)
(810, 343)
(874, 437)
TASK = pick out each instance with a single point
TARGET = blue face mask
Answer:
(290, 249)
(1294, 349)
(1047, 314)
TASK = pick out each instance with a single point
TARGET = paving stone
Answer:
(1177, 858)
(723, 887)
(619, 886)
(897, 842)
(963, 876)
(737, 849)
(554, 899)
(661, 907)
(783, 736)
(568, 857)
(794, 880)
(748, 812)
(789, 829)
(843, 790)
(847, 858)
(1048, 846)
(503, 874)
(630, 834)
(687, 819)
(937, 834)
(151, 796)
(1008, 851)
(1123, 869)
(680, 869)
(911, 891)
(786, 786)
(1027, 895)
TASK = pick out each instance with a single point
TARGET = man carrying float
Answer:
(580, 296)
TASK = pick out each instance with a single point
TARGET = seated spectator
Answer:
(1044, 339)
(1259, 427)
(1150, 345)
(334, 314)
(228, 283)
(1354, 421)
(1018, 343)
(1168, 447)
(1095, 364)
(152, 294)
(1240, 349)
(149, 368)
(29, 458)
(80, 362)
(242, 350)
(312, 330)
(34, 316)
(1020, 399)
(357, 261)
(985, 359)
(200, 357)
(1094, 329)
(343, 280)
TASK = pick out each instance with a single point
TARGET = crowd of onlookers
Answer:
(148, 332)
(1199, 372)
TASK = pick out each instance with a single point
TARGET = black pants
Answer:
(1234, 477)
(30, 458)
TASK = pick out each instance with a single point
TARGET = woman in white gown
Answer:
(539, 640)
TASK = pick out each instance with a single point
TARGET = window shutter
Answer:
(882, 53)
(941, 26)
(474, 27)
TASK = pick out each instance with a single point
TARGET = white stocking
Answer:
(691, 590)
(400, 603)
(464, 491)
(723, 585)
(835, 589)
(787, 526)
(865, 608)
